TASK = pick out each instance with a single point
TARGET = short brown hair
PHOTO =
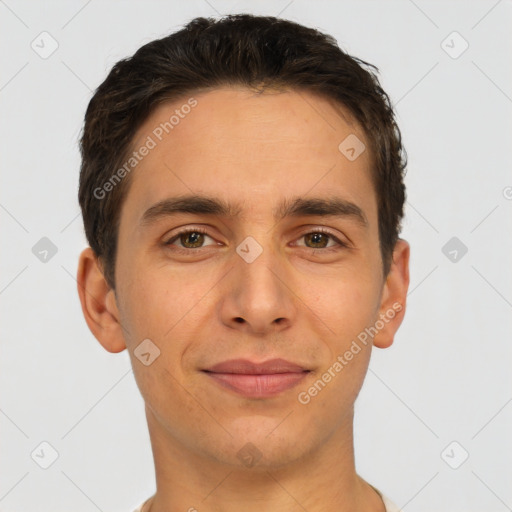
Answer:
(257, 52)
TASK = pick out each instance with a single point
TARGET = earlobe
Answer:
(99, 303)
(394, 294)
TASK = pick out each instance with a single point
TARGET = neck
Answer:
(322, 480)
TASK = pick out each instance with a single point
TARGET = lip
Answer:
(257, 380)
(247, 367)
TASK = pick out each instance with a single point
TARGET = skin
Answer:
(207, 306)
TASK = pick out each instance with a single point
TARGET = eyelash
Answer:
(203, 231)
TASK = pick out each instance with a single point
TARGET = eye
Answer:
(319, 239)
(194, 238)
(189, 238)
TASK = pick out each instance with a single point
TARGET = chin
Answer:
(263, 443)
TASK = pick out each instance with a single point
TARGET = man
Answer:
(242, 191)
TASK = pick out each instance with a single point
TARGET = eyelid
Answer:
(340, 243)
(320, 229)
(185, 230)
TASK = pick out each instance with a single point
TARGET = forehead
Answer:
(233, 143)
(271, 115)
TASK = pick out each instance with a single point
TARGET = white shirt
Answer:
(390, 506)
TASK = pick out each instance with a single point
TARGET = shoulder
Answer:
(141, 507)
(390, 506)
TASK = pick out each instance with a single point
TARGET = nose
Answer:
(257, 295)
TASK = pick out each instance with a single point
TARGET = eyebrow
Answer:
(294, 207)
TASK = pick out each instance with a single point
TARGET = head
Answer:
(288, 165)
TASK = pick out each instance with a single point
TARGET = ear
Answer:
(99, 303)
(394, 294)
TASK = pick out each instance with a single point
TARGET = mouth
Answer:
(257, 380)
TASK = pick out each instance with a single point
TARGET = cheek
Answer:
(166, 307)
(347, 304)
(347, 311)
(155, 299)
(138, 309)
(157, 309)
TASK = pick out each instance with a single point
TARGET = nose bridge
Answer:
(259, 265)
(258, 293)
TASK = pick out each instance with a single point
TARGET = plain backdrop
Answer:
(432, 427)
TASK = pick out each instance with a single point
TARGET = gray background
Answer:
(447, 377)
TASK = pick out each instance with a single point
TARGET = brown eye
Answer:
(189, 239)
(192, 239)
(319, 240)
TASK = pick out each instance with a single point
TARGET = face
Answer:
(282, 262)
